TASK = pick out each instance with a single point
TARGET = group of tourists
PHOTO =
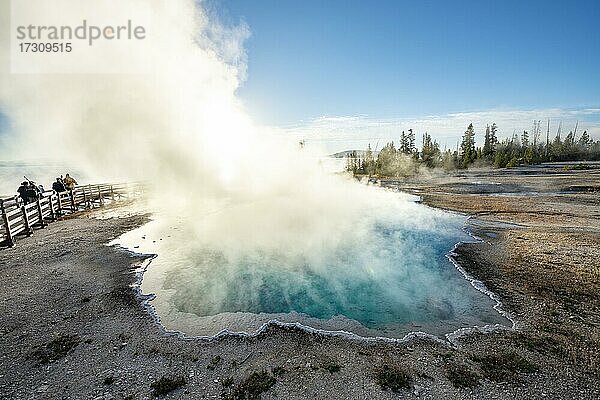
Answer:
(63, 184)
(29, 191)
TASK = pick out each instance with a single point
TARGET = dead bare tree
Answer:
(547, 137)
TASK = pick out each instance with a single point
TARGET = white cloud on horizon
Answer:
(337, 133)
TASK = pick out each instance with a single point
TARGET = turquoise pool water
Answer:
(391, 278)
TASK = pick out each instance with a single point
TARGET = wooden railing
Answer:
(19, 218)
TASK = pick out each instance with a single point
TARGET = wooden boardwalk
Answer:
(20, 219)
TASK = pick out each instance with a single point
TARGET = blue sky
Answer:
(352, 72)
(409, 59)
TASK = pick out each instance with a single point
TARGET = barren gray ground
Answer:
(72, 327)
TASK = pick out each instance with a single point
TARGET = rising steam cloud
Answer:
(179, 127)
(180, 114)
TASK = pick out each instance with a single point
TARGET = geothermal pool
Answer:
(389, 278)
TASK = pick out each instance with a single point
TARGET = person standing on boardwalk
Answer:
(69, 182)
(33, 192)
(59, 186)
(22, 190)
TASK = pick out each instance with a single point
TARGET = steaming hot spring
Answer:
(247, 228)
(377, 270)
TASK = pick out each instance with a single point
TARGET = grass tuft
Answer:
(540, 343)
(56, 349)
(576, 167)
(214, 362)
(504, 366)
(461, 376)
(227, 382)
(393, 378)
(331, 367)
(167, 384)
(253, 386)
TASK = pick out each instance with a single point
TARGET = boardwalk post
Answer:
(85, 201)
(112, 193)
(100, 195)
(51, 204)
(9, 238)
(40, 214)
(73, 208)
(28, 229)
(58, 212)
(91, 197)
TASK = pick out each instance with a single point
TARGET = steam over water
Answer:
(389, 277)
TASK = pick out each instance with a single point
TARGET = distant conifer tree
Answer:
(467, 147)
